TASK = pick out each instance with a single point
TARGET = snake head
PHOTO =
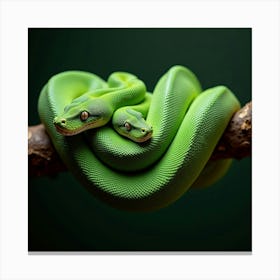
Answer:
(131, 124)
(80, 116)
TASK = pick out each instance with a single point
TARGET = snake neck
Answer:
(130, 94)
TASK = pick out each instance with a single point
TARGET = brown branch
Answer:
(237, 138)
(235, 143)
(42, 157)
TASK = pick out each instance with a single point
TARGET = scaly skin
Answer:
(204, 119)
(172, 97)
(95, 108)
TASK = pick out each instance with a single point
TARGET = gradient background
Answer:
(63, 216)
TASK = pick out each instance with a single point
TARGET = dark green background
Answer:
(64, 216)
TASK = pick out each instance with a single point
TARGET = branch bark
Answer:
(235, 143)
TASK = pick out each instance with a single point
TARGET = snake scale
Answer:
(132, 149)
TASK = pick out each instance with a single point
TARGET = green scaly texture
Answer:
(200, 121)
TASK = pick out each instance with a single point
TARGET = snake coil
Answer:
(186, 126)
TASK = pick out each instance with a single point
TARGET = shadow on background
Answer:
(63, 216)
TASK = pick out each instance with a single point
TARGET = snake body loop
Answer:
(155, 178)
(172, 97)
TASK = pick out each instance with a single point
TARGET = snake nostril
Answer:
(63, 121)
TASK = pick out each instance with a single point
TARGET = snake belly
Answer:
(169, 175)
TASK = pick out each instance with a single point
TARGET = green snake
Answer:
(132, 149)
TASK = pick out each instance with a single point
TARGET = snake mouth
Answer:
(68, 132)
(143, 139)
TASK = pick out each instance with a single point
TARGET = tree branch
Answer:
(235, 143)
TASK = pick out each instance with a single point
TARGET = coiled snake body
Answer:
(184, 124)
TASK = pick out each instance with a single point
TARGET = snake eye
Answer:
(127, 126)
(84, 115)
